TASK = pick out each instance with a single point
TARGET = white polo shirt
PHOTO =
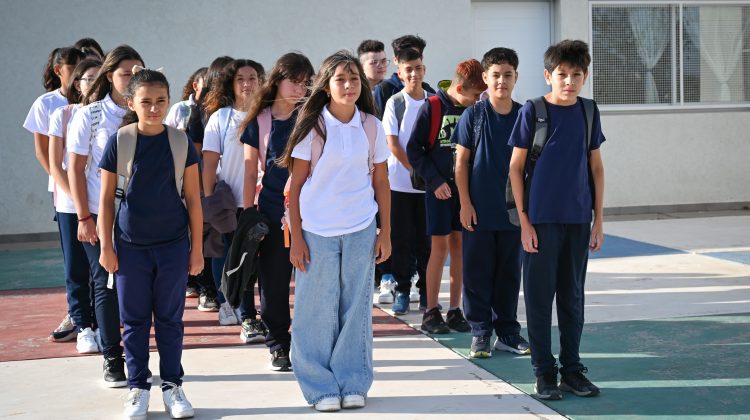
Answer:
(223, 126)
(37, 120)
(339, 198)
(63, 202)
(398, 175)
(79, 139)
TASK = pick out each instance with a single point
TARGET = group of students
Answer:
(146, 196)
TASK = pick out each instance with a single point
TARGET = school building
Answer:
(672, 78)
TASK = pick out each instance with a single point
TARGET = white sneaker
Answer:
(387, 285)
(238, 315)
(226, 315)
(136, 406)
(414, 291)
(175, 402)
(328, 404)
(353, 401)
(86, 342)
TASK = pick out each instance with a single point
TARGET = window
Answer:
(671, 54)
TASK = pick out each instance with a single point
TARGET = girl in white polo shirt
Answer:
(74, 257)
(56, 77)
(227, 105)
(87, 135)
(334, 241)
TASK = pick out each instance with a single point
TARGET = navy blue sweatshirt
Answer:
(435, 164)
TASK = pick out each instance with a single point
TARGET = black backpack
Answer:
(541, 135)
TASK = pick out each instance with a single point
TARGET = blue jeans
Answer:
(332, 329)
(105, 302)
(77, 271)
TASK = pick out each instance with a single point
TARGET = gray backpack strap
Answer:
(95, 112)
(541, 122)
(399, 106)
(178, 144)
(588, 113)
(223, 133)
(127, 137)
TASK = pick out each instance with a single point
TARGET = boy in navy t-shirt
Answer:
(491, 244)
(432, 159)
(556, 228)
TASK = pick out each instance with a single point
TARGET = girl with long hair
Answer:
(334, 248)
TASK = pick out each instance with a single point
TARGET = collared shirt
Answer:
(339, 198)
(37, 120)
(79, 141)
(222, 136)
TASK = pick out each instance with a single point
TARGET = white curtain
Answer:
(719, 32)
(651, 29)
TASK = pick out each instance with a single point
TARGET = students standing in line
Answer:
(77, 271)
(491, 244)
(336, 154)
(89, 130)
(151, 250)
(433, 161)
(227, 104)
(557, 228)
(276, 102)
(56, 77)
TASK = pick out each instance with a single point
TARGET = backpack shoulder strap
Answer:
(317, 145)
(264, 135)
(541, 123)
(67, 112)
(478, 121)
(371, 131)
(95, 113)
(588, 112)
(225, 117)
(127, 137)
(399, 106)
(178, 144)
(436, 114)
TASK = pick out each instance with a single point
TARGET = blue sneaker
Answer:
(401, 305)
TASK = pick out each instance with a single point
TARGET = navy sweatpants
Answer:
(275, 273)
(409, 241)
(153, 281)
(557, 272)
(77, 271)
(492, 280)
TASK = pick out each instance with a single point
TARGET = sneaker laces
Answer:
(175, 391)
(483, 339)
(226, 311)
(134, 396)
(64, 324)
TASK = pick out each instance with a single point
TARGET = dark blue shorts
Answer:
(443, 216)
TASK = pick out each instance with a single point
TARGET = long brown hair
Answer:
(222, 94)
(102, 86)
(188, 89)
(309, 117)
(293, 66)
(74, 95)
(59, 56)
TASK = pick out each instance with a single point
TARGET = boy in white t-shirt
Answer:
(408, 225)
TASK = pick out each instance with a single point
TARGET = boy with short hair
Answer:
(491, 244)
(408, 236)
(433, 160)
(371, 54)
(556, 220)
(394, 84)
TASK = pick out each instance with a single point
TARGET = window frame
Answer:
(677, 105)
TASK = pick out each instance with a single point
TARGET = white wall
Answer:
(167, 33)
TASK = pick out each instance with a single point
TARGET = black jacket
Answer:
(240, 267)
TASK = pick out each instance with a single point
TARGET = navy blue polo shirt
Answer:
(152, 213)
(271, 198)
(561, 191)
(489, 174)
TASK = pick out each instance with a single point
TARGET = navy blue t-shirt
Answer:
(271, 198)
(560, 189)
(152, 213)
(489, 174)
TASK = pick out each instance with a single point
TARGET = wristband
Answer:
(85, 218)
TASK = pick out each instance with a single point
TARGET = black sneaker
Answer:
(456, 320)
(480, 347)
(114, 372)
(578, 384)
(432, 322)
(514, 343)
(546, 387)
(280, 360)
(253, 331)
(207, 303)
